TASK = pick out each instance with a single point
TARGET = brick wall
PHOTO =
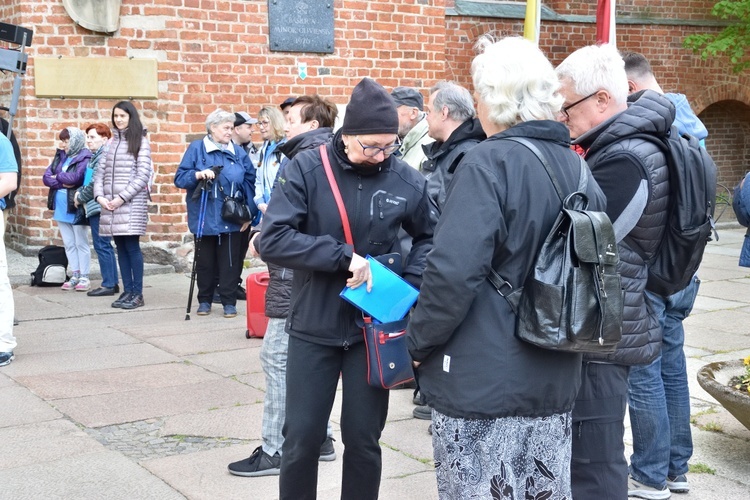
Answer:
(215, 53)
(211, 54)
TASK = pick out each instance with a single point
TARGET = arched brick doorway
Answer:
(728, 142)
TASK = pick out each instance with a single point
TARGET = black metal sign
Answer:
(301, 25)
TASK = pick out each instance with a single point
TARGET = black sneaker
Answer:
(7, 357)
(327, 452)
(241, 293)
(135, 300)
(259, 463)
(124, 297)
(678, 484)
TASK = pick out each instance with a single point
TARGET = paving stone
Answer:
(202, 342)
(240, 422)
(228, 363)
(115, 380)
(18, 406)
(25, 445)
(130, 406)
(106, 474)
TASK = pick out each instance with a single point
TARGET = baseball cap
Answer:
(408, 96)
(287, 102)
(242, 117)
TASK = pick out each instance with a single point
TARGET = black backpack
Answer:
(690, 222)
(572, 299)
(52, 268)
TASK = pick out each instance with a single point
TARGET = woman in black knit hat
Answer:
(303, 230)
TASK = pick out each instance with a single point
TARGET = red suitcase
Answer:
(256, 286)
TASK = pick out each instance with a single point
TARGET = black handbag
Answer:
(572, 301)
(388, 359)
(80, 218)
(234, 209)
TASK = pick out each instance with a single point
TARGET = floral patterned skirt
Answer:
(504, 458)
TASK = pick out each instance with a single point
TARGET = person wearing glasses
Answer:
(501, 407)
(634, 176)
(271, 125)
(303, 230)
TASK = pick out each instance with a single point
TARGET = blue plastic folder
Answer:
(390, 299)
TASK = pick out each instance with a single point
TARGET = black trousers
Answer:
(244, 245)
(218, 256)
(599, 469)
(311, 378)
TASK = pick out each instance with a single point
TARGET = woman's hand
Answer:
(251, 248)
(116, 203)
(245, 226)
(204, 174)
(360, 269)
(76, 203)
(262, 207)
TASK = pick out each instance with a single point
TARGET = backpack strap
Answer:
(503, 286)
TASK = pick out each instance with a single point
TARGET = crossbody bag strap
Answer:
(336, 194)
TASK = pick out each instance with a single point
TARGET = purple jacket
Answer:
(55, 178)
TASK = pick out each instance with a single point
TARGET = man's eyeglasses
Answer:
(372, 151)
(567, 108)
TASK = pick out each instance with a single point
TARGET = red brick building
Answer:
(215, 53)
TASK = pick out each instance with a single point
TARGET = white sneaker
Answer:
(70, 284)
(639, 490)
(83, 285)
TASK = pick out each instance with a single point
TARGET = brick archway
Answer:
(728, 142)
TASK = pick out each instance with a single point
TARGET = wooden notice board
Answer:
(99, 78)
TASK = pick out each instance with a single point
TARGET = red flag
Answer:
(605, 22)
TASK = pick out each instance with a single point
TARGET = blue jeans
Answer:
(105, 252)
(659, 400)
(131, 263)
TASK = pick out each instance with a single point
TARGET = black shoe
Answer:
(412, 384)
(136, 300)
(259, 463)
(429, 430)
(327, 452)
(102, 291)
(418, 399)
(241, 293)
(124, 297)
(422, 412)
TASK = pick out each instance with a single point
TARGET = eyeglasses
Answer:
(264, 123)
(372, 151)
(567, 108)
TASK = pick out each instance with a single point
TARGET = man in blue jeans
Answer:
(658, 395)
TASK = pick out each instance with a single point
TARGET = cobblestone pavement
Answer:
(143, 440)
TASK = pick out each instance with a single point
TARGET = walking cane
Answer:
(198, 237)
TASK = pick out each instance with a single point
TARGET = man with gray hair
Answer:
(451, 122)
(453, 126)
(412, 126)
(633, 174)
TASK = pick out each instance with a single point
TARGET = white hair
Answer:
(515, 81)
(218, 117)
(596, 67)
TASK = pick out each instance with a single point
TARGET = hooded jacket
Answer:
(443, 157)
(501, 205)
(302, 230)
(56, 178)
(237, 174)
(279, 288)
(638, 211)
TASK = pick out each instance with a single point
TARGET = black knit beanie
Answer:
(371, 110)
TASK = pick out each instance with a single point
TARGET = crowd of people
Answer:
(446, 186)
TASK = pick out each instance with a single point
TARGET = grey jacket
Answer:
(639, 228)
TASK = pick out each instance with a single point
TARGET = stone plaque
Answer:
(301, 25)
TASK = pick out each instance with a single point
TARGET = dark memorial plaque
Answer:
(301, 25)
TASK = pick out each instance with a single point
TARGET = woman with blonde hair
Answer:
(501, 406)
(271, 124)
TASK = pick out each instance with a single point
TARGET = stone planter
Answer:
(714, 378)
